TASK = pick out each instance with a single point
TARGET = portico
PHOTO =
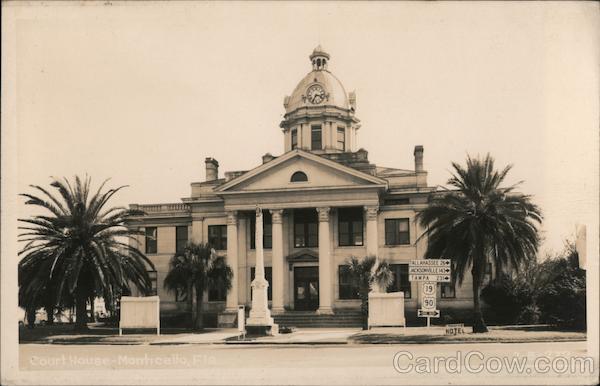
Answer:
(294, 266)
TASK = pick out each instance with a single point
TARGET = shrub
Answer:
(563, 302)
(502, 297)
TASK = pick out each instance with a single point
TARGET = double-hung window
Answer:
(306, 228)
(350, 226)
(401, 282)
(217, 236)
(151, 239)
(397, 231)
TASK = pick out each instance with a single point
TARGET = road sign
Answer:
(455, 329)
(429, 288)
(426, 270)
(428, 313)
(436, 278)
(428, 303)
(430, 263)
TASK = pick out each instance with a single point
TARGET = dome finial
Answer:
(319, 58)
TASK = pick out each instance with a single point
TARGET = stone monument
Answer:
(260, 321)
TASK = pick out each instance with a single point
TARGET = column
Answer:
(325, 281)
(372, 238)
(277, 256)
(232, 259)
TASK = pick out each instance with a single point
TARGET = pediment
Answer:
(305, 255)
(320, 172)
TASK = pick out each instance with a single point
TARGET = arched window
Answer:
(299, 177)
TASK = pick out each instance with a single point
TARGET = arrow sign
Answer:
(430, 263)
(436, 278)
(428, 314)
(428, 270)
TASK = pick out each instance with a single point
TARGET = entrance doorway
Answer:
(306, 288)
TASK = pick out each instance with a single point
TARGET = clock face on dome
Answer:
(315, 94)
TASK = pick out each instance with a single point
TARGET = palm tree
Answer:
(367, 274)
(480, 222)
(195, 270)
(79, 250)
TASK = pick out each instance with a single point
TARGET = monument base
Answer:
(386, 309)
(262, 330)
(227, 319)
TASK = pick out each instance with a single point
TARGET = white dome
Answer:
(335, 94)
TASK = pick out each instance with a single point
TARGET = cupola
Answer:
(319, 59)
(319, 114)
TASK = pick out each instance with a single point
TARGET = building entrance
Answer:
(306, 288)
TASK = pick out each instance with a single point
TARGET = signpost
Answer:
(429, 272)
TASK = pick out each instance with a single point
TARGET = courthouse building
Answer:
(323, 201)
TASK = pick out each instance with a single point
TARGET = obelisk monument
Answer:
(260, 321)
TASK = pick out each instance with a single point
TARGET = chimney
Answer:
(418, 158)
(267, 157)
(212, 169)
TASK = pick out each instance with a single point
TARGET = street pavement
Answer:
(480, 364)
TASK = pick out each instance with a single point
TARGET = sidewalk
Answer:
(208, 337)
(437, 334)
(302, 336)
(313, 336)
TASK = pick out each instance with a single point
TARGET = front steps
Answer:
(311, 319)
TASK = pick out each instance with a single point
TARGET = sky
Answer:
(142, 92)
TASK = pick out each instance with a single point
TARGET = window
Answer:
(306, 229)
(299, 177)
(268, 276)
(350, 226)
(396, 201)
(217, 236)
(216, 295)
(347, 287)
(294, 139)
(397, 231)
(153, 283)
(181, 296)
(151, 239)
(341, 138)
(267, 231)
(447, 290)
(315, 138)
(181, 238)
(401, 282)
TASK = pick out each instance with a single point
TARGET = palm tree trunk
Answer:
(80, 311)
(199, 323)
(30, 317)
(190, 299)
(478, 323)
(364, 307)
(49, 307)
(92, 310)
